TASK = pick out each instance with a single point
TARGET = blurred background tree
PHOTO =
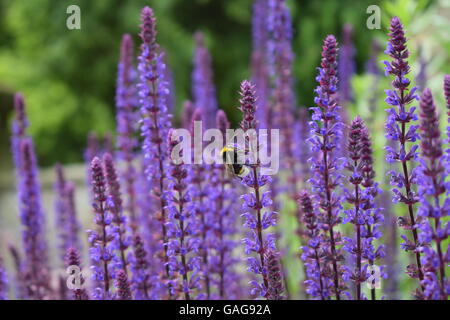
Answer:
(68, 76)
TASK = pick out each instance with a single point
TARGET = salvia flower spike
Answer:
(155, 123)
(126, 107)
(326, 134)
(399, 128)
(257, 212)
(183, 227)
(317, 281)
(101, 250)
(433, 230)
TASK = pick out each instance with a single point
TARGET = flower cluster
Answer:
(167, 228)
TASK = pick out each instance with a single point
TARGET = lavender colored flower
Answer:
(140, 269)
(399, 128)
(274, 276)
(203, 90)
(3, 282)
(101, 251)
(183, 227)
(155, 122)
(72, 259)
(326, 134)
(432, 211)
(317, 282)
(126, 105)
(66, 219)
(257, 213)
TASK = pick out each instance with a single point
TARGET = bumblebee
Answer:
(233, 159)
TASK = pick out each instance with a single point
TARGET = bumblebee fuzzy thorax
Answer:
(232, 159)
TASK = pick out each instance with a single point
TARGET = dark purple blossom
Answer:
(122, 285)
(399, 128)
(326, 134)
(274, 275)
(155, 123)
(433, 230)
(203, 90)
(101, 251)
(318, 281)
(72, 259)
(141, 284)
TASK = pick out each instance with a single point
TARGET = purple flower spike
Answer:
(363, 213)
(318, 283)
(402, 132)
(223, 226)
(3, 282)
(183, 227)
(274, 276)
(72, 259)
(126, 105)
(433, 230)
(155, 123)
(372, 214)
(32, 218)
(257, 213)
(100, 251)
(121, 241)
(326, 132)
(139, 266)
(122, 285)
(66, 217)
(355, 215)
(203, 90)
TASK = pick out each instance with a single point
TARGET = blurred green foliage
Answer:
(68, 76)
